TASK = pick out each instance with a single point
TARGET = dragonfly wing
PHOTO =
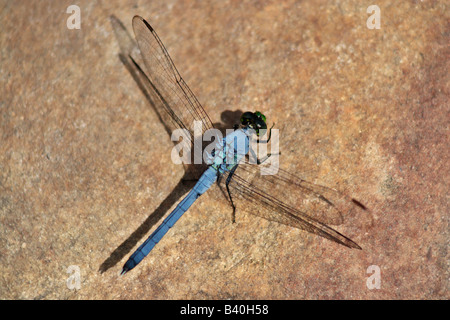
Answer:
(132, 59)
(178, 100)
(168, 94)
(290, 200)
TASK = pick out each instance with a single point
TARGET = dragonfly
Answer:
(250, 187)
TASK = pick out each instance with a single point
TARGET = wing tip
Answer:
(349, 243)
(356, 246)
(137, 17)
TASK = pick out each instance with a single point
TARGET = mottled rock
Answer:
(84, 160)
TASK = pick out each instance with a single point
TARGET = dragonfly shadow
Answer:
(185, 184)
(126, 246)
(228, 118)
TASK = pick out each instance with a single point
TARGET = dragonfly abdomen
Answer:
(204, 183)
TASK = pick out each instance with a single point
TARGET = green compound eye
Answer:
(260, 115)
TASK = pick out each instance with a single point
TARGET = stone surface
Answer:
(84, 161)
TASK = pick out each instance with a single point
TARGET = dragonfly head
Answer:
(255, 120)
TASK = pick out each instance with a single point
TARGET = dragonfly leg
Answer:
(230, 175)
(268, 139)
(260, 161)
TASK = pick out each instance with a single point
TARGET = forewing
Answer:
(168, 94)
(177, 99)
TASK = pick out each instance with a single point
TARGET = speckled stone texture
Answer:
(84, 160)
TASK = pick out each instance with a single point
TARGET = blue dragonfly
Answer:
(271, 193)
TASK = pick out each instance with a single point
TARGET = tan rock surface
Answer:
(84, 160)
